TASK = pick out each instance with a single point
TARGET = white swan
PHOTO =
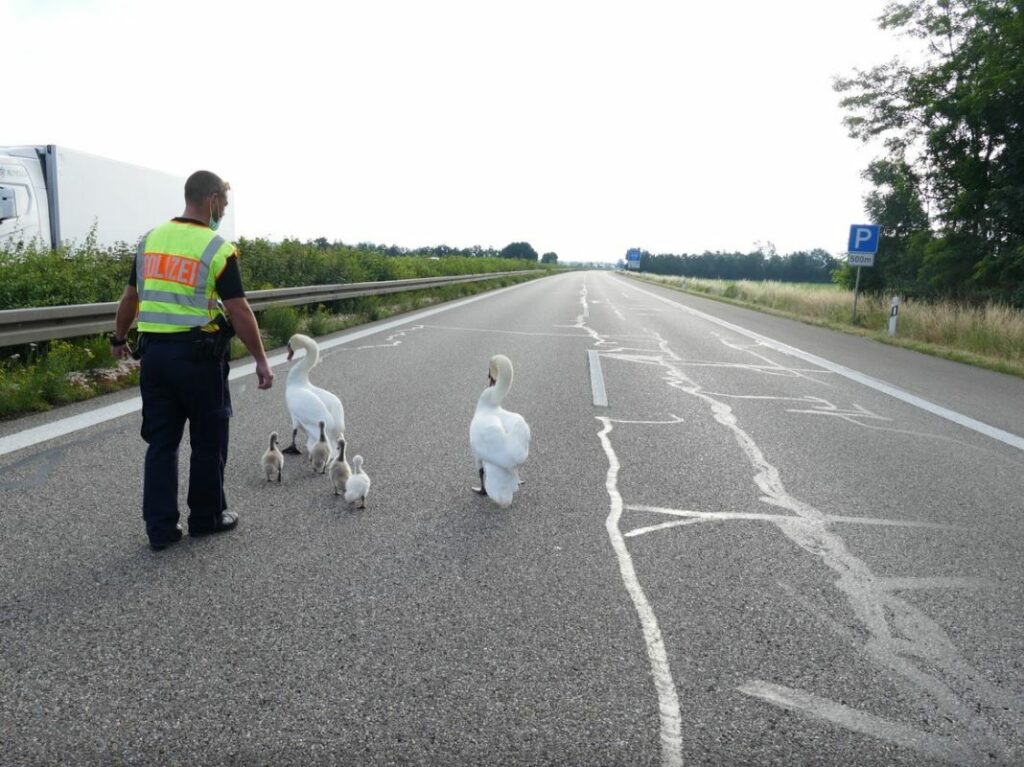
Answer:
(500, 439)
(309, 404)
(358, 484)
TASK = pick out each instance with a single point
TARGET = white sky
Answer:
(583, 128)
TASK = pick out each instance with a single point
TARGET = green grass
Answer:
(989, 336)
(42, 376)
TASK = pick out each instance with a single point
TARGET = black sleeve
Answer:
(229, 283)
(133, 278)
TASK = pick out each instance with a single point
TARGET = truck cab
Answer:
(24, 212)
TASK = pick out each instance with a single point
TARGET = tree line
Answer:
(764, 264)
(517, 250)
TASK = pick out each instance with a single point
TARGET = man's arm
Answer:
(126, 311)
(244, 323)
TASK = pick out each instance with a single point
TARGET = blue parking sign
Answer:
(863, 238)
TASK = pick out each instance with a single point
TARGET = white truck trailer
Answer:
(54, 195)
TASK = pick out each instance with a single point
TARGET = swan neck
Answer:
(502, 386)
(301, 370)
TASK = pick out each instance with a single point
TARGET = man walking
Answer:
(185, 278)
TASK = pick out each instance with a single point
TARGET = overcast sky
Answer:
(583, 128)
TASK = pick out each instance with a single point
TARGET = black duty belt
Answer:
(169, 338)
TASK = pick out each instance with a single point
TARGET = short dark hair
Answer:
(201, 185)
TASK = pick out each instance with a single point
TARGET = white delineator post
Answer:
(894, 311)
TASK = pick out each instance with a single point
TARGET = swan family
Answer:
(499, 438)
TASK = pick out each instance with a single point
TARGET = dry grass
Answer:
(990, 335)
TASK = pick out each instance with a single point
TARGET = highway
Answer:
(740, 540)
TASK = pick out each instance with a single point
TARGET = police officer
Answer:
(185, 277)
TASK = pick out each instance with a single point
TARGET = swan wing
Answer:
(306, 410)
(517, 432)
(491, 443)
(336, 423)
(500, 483)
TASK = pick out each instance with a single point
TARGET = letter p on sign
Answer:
(863, 238)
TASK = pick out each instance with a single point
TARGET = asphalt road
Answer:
(752, 555)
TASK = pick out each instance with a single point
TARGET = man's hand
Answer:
(264, 375)
(121, 351)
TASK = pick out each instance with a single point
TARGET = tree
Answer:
(954, 121)
(549, 258)
(522, 250)
(894, 204)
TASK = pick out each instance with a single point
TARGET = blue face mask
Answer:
(214, 223)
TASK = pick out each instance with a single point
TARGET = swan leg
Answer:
(481, 490)
(293, 449)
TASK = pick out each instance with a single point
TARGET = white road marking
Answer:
(597, 379)
(908, 645)
(788, 519)
(668, 700)
(663, 526)
(960, 419)
(29, 437)
(946, 749)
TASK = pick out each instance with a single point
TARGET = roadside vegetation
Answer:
(36, 377)
(989, 335)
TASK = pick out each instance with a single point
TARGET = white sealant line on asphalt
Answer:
(29, 437)
(943, 748)
(960, 419)
(668, 699)
(597, 379)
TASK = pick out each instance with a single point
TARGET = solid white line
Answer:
(946, 749)
(597, 379)
(34, 436)
(668, 699)
(967, 422)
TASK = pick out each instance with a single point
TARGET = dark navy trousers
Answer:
(177, 386)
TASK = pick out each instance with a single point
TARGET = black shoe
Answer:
(163, 543)
(226, 520)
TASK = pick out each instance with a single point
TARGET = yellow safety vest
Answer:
(177, 265)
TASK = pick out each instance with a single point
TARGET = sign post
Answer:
(894, 311)
(633, 259)
(860, 251)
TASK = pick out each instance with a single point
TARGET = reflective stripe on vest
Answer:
(165, 260)
(198, 299)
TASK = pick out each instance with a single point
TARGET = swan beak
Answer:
(490, 380)
(291, 352)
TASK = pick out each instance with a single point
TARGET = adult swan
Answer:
(500, 439)
(309, 404)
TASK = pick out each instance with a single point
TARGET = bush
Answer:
(86, 274)
(279, 323)
(321, 322)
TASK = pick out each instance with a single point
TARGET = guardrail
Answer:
(22, 326)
